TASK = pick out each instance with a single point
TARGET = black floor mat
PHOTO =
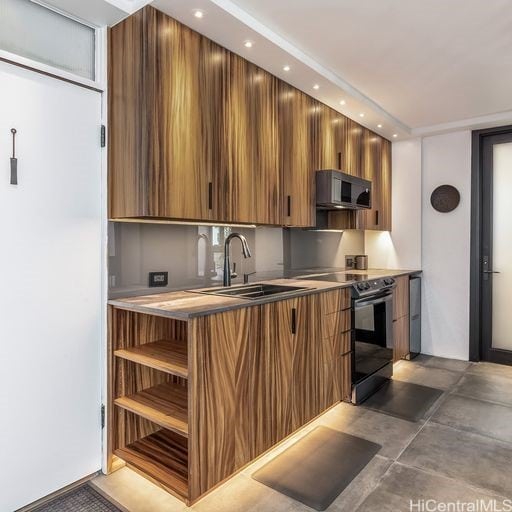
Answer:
(81, 499)
(318, 467)
(403, 400)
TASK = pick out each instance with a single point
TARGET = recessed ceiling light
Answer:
(198, 13)
(316, 87)
(248, 44)
(379, 126)
(361, 114)
(395, 135)
(286, 68)
(343, 102)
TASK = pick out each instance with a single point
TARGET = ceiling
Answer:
(426, 62)
(414, 66)
(400, 67)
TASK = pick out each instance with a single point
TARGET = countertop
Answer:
(184, 305)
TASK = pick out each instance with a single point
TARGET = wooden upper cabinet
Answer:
(385, 187)
(326, 156)
(370, 160)
(296, 155)
(178, 176)
(126, 186)
(376, 167)
(349, 143)
(249, 180)
(196, 132)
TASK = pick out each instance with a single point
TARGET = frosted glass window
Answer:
(32, 31)
(502, 246)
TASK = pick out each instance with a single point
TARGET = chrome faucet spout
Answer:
(246, 252)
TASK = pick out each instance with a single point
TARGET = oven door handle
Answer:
(374, 300)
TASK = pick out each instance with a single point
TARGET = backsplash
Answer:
(193, 256)
(311, 249)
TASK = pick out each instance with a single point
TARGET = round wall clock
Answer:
(445, 198)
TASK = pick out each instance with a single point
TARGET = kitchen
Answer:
(284, 297)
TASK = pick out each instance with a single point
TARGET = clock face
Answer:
(445, 198)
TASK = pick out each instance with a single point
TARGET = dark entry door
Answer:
(495, 262)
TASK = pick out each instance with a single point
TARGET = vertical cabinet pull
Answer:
(289, 205)
(210, 195)
(294, 320)
(339, 161)
(377, 217)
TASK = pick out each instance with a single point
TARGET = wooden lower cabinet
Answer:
(194, 401)
(401, 338)
(401, 297)
(401, 318)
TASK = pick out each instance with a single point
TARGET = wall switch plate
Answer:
(350, 262)
(158, 279)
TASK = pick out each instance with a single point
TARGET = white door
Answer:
(50, 286)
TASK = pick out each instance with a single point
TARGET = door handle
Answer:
(294, 321)
(491, 272)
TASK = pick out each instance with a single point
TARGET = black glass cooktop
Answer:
(339, 277)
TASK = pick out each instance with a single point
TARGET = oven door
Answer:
(373, 335)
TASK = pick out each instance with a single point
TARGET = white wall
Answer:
(445, 247)
(400, 248)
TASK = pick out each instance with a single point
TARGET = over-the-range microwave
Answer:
(338, 190)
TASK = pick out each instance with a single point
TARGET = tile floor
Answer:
(461, 451)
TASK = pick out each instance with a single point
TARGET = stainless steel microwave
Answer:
(338, 190)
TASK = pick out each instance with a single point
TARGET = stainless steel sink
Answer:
(254, 291)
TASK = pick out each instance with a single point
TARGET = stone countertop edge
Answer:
(155, 304)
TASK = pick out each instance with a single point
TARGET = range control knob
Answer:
(360, 286)
(366, 286)
(389, 281)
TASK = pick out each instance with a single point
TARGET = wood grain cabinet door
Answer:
(348, 146)
(326, 156)
(126, 165)
(178, 175)
(371, 170)
(385, 187)
(264, 381)
(249, 179)
(296, 151)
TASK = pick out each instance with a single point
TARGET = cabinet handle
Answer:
(377, 217)
(210, 195)
(339, 161)
(289, 205)
(294, 320)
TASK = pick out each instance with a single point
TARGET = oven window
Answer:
(372, 348)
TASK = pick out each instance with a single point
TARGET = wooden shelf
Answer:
(168, 356)
(165, 404)
(163, 456)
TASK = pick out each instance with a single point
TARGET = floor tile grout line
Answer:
(441, 475)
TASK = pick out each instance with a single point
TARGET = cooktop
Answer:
(338, 277)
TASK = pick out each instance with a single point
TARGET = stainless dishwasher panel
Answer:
(415, 315)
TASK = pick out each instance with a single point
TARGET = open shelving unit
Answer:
(166, 356)
(149, 382)
(164, 404)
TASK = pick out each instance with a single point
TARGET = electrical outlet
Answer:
(158, 279)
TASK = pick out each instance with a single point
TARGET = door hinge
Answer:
(103, 137)
(102, 415)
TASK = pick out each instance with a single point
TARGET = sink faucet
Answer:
(246, 252)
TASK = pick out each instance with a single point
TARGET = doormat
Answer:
(318, 467)
(403, 400)
(81, 499)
